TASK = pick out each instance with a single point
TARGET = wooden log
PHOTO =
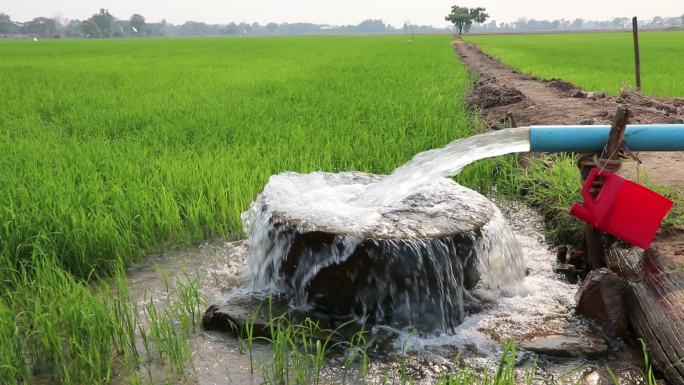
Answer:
(655, 305)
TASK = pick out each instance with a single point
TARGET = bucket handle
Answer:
(594, 173)
(585, 210)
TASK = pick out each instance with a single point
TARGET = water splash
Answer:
(446, 161)
(409, 263)
(402, 249)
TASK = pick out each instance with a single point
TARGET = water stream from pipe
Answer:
(446, 161)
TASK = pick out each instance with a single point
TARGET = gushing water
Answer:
(402, 249)
(446, 161)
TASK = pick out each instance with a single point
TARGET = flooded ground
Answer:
(543, 309)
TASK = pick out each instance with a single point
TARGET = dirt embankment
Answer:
(654, 284)
(504, 94)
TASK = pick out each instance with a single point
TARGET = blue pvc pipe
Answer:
(638, 137)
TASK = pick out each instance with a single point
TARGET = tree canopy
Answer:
(41, 26)
(103, 20)
(137, 22)
(464, 17)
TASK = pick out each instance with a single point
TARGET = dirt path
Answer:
(503, 92)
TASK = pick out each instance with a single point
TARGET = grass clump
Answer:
(551, 184)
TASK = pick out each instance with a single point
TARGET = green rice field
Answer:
(111, 150)
(595, 61)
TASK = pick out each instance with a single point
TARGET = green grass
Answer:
(595, 61)
(113, 149)
(551, 185)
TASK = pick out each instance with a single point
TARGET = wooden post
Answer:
(637, 58)
(611, 151)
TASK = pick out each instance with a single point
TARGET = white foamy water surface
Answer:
(427, 229)
(435, 238)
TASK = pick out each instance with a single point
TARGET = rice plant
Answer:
(580, 59)
(112, 150)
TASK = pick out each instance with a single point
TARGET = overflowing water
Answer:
(405, 264)
(545, 307)
(445, 245)
(403, 249)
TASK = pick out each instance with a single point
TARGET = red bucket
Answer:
(622, 208)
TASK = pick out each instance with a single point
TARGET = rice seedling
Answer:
(649, 376)
(188, 299)
(122, 308)
(403, 377)
(505, 373)
(248, 341)
(13, 368)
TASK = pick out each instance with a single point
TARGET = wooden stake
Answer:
(611, 150)
(637, 59)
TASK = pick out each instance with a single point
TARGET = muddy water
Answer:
(545, 307)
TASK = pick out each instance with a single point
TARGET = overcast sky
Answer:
(337, 12)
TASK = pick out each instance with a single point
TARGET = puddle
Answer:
(545, 308)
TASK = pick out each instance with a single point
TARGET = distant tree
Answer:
(6, 24)
(162, 28)
(464, 17)
(157, 29)
(193, 28)
(41, 26)
(103, 20)
(90, 29)
(257, 29)
(371, 26)
(577, 24)
(520, 24)
(73, 29)
(657, 22)
(232, 29)
(620, 22)
(137, 23)
(244, 28)
(272, 28)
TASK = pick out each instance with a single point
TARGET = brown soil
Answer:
(503, 94)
